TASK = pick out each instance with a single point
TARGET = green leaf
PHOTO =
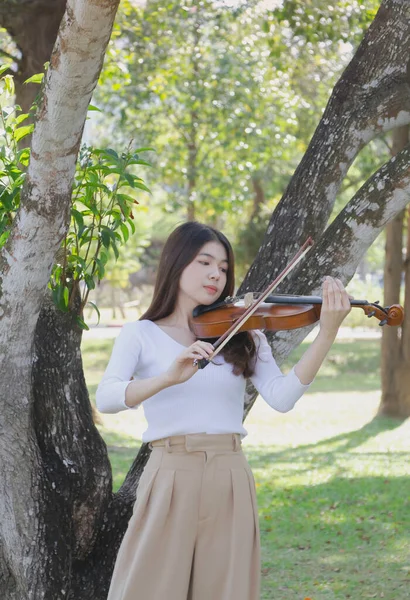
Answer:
(132, 225)
(106, 238)
(144, 150)
(60, 297)
(38, 78)
(116, 252)
(23, 156)
(125, 232)
(139, 161)
(104, 258)
(134, 182)
(3, 238)
(21, 118)
(9, 84)
(22, 132)
(4, 68)
(126, 197)
(82, 324)
(100, 269)
(141, 186)
(89, 281)
(111, 152)
(78, 217)
(65, 297)
(96, 309)
(91, 107)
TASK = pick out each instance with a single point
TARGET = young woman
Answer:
(194, 532)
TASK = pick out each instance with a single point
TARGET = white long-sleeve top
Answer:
(211, 401)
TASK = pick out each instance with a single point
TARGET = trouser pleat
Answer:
(194, 532)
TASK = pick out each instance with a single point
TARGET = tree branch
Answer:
(342, 246)
(372, 96)
(344, 243)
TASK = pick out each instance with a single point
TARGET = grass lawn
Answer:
(333, 482)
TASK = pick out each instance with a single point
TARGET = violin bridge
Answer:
(248, 299)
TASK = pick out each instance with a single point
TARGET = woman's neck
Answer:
(179, 319)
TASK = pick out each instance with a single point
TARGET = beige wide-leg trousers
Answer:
(194, 532)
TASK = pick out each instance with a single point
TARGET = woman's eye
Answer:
(206, 263)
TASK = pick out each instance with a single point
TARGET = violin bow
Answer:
(224, 339)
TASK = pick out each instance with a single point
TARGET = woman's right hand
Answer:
(183, 367)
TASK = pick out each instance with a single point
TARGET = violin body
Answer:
(214, 323)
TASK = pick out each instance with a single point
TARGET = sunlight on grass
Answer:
(332, 481)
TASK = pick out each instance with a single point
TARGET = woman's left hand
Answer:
(335, 306)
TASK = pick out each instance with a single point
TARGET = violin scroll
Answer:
(391, 315)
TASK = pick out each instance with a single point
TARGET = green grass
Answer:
(332, 480)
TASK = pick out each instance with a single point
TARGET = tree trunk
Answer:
(390, 344)
(258, 197)
(33, 27)
(83, 522)
(32, 492)
(395, 368)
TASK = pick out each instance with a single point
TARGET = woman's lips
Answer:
(211, 289)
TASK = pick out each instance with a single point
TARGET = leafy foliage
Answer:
(103, 198)
(101, 221)
(229, 93)
(13, 159)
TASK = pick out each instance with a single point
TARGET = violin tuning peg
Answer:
(384, 322)
(371, 314)
(377, 302)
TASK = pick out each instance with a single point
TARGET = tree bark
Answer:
(395, 401)
(29, 527)
(83, 520)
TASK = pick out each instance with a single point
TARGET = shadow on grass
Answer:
(346, 538)
(351, 365)
(342, 443)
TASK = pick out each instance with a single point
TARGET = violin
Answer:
(278, 313)
(226, 319)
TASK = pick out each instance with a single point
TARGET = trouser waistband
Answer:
(200, 441)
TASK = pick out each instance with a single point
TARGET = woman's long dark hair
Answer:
(179, 251)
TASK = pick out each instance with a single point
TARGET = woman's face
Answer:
(204, 279)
